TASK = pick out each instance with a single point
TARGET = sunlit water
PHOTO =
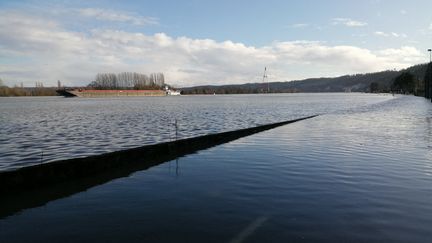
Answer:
(42, 129)
(360, 173)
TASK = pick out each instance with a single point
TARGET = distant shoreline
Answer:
(27, 91)
(204, 94)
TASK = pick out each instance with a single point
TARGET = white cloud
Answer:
(380, 33)
(299, 25)
(348, 22)
(390, 34)
(403, 12)
(116, 16)
(404, 54)
(395, 34)
(42, 50)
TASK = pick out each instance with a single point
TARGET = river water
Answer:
(43, 129)
(361, 172)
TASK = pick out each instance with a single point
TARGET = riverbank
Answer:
(18, 91)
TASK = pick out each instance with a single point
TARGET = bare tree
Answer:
(128, 80)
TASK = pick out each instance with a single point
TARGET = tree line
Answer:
(38, 90)
(27, 91)
(409, 82)
(128, 80)
(415, 80)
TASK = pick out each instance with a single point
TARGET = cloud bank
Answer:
(39, 49)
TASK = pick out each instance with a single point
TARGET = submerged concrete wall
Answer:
(130, 160)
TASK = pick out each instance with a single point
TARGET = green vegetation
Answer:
(374, 87)
(39, 90)
(428, 82)
(18, 91)
(404, 83)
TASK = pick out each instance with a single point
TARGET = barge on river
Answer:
(92, 93)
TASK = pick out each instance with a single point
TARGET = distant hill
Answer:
(347, 83)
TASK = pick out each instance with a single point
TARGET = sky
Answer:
(200, 42)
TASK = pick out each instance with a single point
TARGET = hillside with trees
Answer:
(410, 80)
(369, 82)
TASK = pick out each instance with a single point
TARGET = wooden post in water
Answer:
(176, 130)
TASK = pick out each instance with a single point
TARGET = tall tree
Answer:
(428, 81)
(405, 83)
(374, 87)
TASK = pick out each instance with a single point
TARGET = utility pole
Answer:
(266, 80)
(430, 55)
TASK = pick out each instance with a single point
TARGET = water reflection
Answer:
(243, 235)
(428, 131)
(176, 167)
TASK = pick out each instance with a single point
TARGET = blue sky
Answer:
(209, 42)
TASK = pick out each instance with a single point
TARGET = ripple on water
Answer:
(115, 124)
(354, 176)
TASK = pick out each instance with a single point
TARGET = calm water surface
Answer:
(43, 129)
(361, 173)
